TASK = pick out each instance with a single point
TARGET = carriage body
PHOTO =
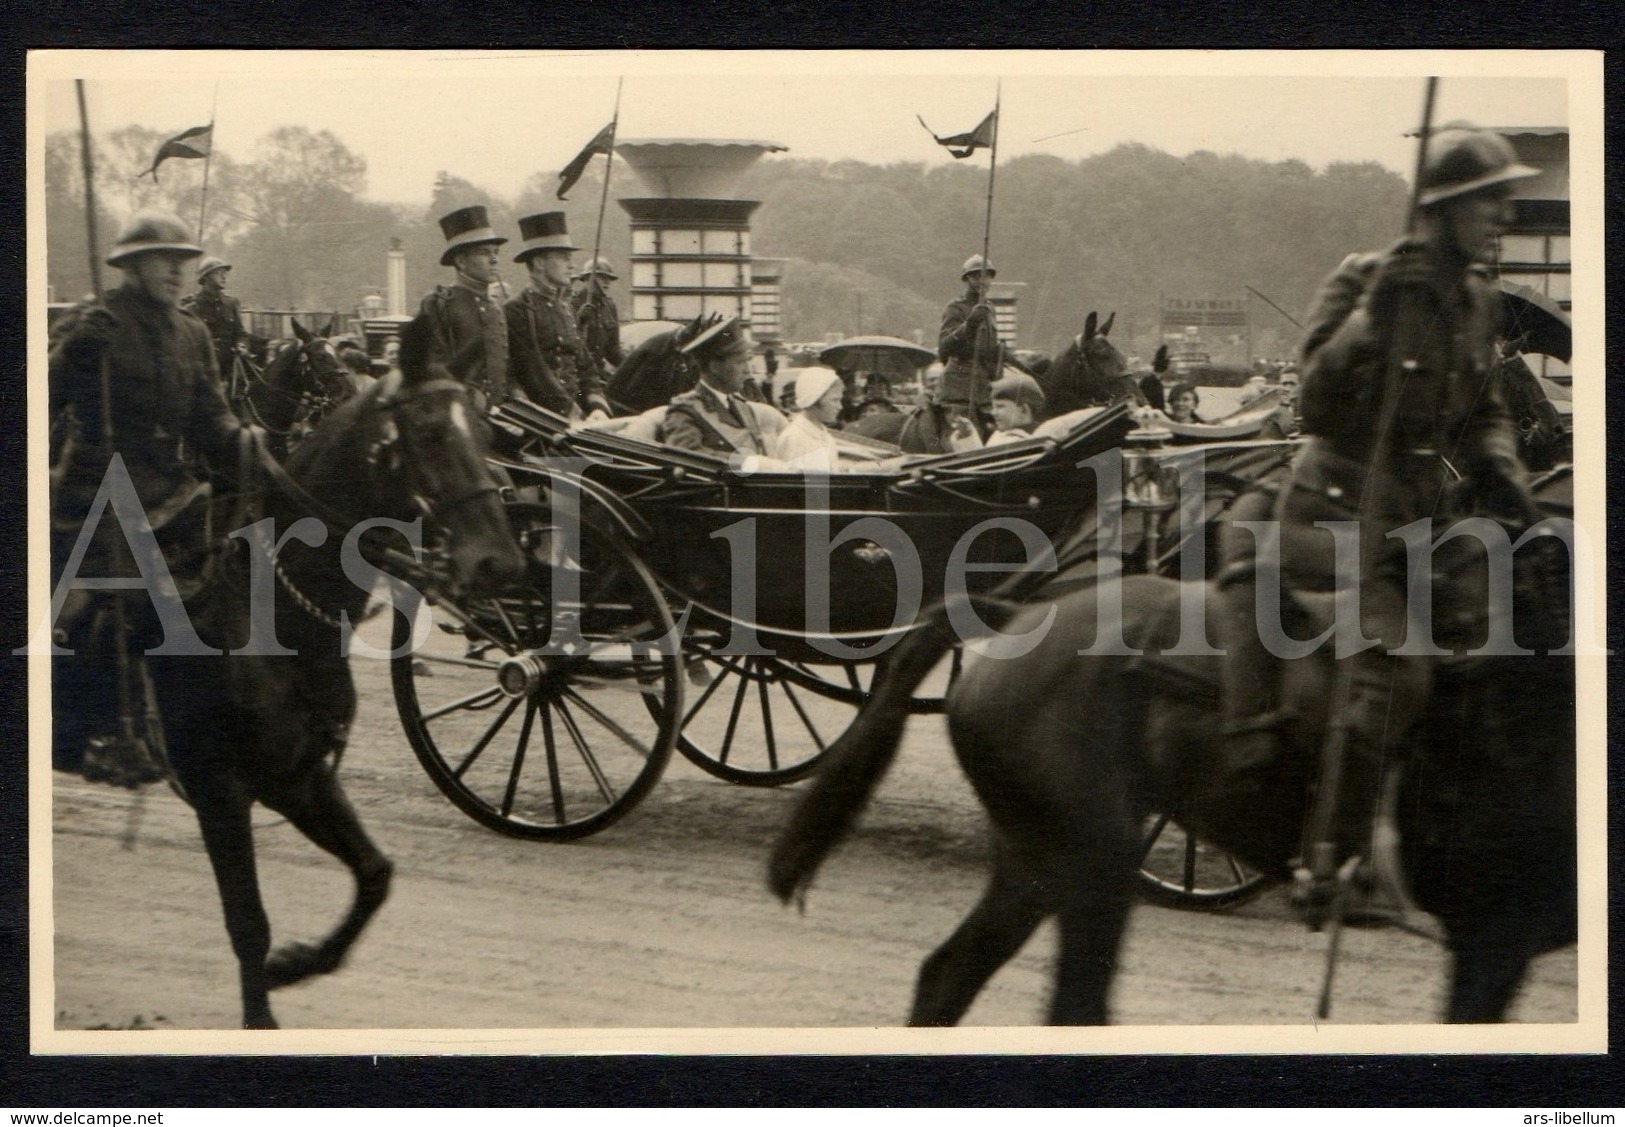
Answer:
(741, 618)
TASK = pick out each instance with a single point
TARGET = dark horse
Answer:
(1486, 802)
(241, 728)
(302, 381)
(657, 369)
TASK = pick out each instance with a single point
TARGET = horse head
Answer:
(300, 382)
(1089, 372)
(414, 444)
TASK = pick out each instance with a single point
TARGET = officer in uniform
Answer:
(1398, 375)
(469, 339)
(597, 318)
(969, 345)
(549, 362)
(222, 313)
(714, 415)
(137, 362)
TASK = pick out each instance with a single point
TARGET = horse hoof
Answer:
(265, 1021)
(296, 962)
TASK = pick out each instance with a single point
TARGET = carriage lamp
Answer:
(1148, 485)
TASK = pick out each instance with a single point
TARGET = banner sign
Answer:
(1203, 312)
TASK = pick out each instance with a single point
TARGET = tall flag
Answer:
(602, 143)
(962, 145)
(194, 144)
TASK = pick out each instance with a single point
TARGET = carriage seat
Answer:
(644, 427)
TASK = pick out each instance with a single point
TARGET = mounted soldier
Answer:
(136, 404)
(597, 318)
(714, 415)
(548, 360)
(223, 314)
(470, 336)
(1398, 378)
(969, 343)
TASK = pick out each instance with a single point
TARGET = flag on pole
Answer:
(194, 144)
(602, 143)
(962, 145)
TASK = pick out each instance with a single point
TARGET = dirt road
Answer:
(661, 921)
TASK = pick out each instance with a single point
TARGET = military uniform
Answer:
(222, 314)
(549, 361)
(706, 419)
(970, 354)
(599, 322)
(469, 339)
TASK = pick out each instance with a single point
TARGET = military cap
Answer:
(975, 264)
(545, 231)
(150, 231)
(724, 337)
(210, 265)
(1461, 159)
(599, 266)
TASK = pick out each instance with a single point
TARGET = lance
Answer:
(595, 291)
(1321, 848)
(983, 280)
(208, 156)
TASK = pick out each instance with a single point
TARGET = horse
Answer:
(302, 381)
(1088, 372)
(1485, 802)
(236, 728)
(657, 369)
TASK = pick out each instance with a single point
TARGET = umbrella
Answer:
(1540, 322)
(891, 357)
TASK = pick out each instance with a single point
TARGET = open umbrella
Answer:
(891, 357)
(1538, 322)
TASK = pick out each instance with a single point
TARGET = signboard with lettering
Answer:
(1206, 312)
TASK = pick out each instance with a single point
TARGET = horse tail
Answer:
(857, 761)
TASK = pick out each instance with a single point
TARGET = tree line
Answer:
(868, 248)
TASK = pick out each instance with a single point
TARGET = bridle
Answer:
(315, 403)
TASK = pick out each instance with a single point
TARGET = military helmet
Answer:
(598, 265)
(210, 265)
(1461, 160)
(974, 265)
(150, 231)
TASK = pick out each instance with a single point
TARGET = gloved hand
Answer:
(1406, 272)
(91, 336)
(981, 314)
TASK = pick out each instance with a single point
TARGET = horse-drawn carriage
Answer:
(676, 601)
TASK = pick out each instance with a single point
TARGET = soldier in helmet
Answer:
(969, 344)
(222, 313)
(549, 361)
(1398, 377)
(596, 316)
(714, 415)
(470, 337)
(132, 377)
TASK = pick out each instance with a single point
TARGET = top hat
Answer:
(150, 231)
(544, 231)
(718, 339)
(466, 227)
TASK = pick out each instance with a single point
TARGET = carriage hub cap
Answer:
(519, 676)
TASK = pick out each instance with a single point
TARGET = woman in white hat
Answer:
(806, 443)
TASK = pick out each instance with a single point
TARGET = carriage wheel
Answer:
(541, 744)
(1178, 871)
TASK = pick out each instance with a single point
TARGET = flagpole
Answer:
(603, 198)
(203, 201)
(992, 172)
(90, 190)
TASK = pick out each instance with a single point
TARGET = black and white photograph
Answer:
(930, 552)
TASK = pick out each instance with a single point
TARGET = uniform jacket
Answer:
(547, 359)
(470, 339)
(223, 315)
(963, 381)
(601, 329)
(703, 419)
(167, 408)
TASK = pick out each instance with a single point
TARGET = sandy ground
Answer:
(663, 920)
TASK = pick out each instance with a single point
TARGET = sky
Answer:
(497, 118)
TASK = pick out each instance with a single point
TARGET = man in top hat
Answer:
(222, 313)
(548, 360)
(969, 343)
(1399, 378)
(596, 316)
(165, 408)
(469, 341)
(713, 415)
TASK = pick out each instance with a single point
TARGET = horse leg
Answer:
(1483, 982)
(318, 808)
(228, 835)
(989, 937)
(1095, 891)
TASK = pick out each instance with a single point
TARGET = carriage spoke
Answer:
(479, 698)
(1152, 837)
(626, 737)
(518, 759)
(733, 716)
(553, 782)
(801, 711)
(1190, 862)
(729, 666)
(767, 724)
(460, 662)
(485, 739)
(606, 790)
